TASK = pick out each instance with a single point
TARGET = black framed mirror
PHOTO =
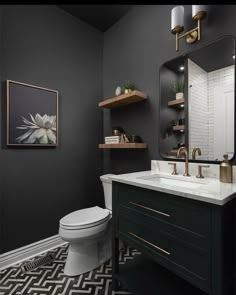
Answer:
(197, 103)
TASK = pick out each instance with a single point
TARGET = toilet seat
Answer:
(85, 218)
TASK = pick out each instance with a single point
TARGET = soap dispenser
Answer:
(225, 170)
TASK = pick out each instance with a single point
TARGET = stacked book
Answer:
(113, 139)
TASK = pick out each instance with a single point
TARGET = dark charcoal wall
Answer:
(45, 46)
(135, 48)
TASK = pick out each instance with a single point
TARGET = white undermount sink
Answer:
(175, 180)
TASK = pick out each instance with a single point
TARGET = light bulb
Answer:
(177, 19)
(199, 12)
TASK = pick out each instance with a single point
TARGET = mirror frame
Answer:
(186, 115)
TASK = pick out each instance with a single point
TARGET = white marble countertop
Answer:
(209, 190)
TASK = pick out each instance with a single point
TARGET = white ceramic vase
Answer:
(118, 91)
(179, 95)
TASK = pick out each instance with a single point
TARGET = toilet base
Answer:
(81, 259)
(85, 255)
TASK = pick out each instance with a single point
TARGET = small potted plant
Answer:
(129, 86)
(179, 89)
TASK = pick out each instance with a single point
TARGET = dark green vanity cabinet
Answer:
(192, 239)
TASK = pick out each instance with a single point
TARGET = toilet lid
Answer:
(85, 217)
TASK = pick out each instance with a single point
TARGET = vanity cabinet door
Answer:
(153, 237)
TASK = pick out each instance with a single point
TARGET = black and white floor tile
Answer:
(50, 279)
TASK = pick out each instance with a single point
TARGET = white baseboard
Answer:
(18, 255)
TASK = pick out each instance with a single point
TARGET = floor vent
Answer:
(32, 265)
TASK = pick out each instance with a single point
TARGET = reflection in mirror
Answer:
(172, 114)
(204, 117)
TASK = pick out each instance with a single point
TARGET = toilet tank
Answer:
(107, 189)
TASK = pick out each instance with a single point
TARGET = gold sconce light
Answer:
(199, 12)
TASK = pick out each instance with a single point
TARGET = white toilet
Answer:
(89, 233)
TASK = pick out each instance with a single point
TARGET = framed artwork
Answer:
(32, 115)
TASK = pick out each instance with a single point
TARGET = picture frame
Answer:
(32, 115)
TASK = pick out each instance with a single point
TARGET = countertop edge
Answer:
(182, 194)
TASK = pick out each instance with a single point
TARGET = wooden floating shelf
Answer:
(122, 100)
(176, 103)
(123, 146)
(178, 127)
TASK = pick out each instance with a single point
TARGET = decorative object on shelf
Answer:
(135, 138)
(169, 129)
(125, 138)
(226, 170)
(118, 91)
(174, 125)
(32, 115)
(117, 131)
(199, 12)
(118, 136)
(129, 86)
(181, 121)
(113, 139)
(179, 89)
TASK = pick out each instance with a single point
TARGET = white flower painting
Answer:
(32, 115)
(41, 130)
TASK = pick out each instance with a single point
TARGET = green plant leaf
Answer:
(129, 85)
(179, 86)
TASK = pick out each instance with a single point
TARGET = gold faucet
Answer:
(183, 150)
(196, 150)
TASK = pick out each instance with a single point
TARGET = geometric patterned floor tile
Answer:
(50, 280)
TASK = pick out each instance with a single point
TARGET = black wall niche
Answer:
(169, 139)
(44, 46)
(134, 49)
